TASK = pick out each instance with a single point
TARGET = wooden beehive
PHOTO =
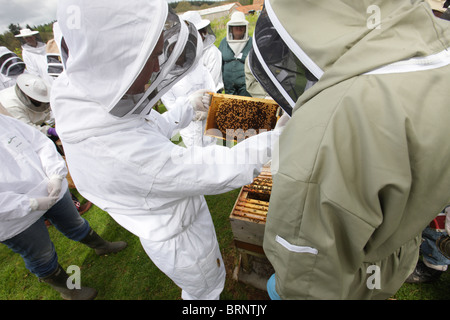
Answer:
(248, 217)
(212, 128)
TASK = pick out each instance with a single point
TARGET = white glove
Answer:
(54, 186)
(281, 123)
(200, 101)
(42, 204)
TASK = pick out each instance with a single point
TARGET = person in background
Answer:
(234, 48)
(34, 53)
(29, 101)
(197, 79)
(149, 185)
(252, 85)
(11, 66)
(212, 57)
(362, 166)
(33, 188)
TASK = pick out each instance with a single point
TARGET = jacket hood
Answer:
(346, 38)
(112, 44)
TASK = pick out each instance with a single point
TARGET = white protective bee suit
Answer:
(119, 154)
(35, 58)
(26, 151)
(212, 57)
(198, 78)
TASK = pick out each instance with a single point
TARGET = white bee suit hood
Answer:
(114, 48)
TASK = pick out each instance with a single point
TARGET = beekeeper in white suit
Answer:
(212, 57)
(34, 53)
(118, 148)
(28, 101)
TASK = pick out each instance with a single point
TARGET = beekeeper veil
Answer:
(203, 26)
(277, 63)
(33, 92)
(237, 20)
(109, 42)
(181, 51)
(10, 63)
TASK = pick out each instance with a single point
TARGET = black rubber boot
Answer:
(58, 281)
(101, 246)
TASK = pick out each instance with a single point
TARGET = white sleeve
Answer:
(213, 62)
(214, 169)
(179, 117)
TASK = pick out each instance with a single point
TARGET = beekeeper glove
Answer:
(52, 132)
(42, 204)
(200, 101)
(54, 185)
(281, 123)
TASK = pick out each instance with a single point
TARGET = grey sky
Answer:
(25, 12)
(32, 12)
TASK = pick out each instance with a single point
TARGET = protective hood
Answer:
(237, 45)
(10, 63)
(336, 42)
(203, 26)
(237, 19)
(33, 92)
(109, 43)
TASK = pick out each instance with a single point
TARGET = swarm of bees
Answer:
(245, 117)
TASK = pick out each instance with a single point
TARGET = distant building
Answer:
(218, 12)
(253, 8)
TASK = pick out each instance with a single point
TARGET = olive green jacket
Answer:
(363, 164)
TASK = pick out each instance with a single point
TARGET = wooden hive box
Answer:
(248, 217)
(212, 128)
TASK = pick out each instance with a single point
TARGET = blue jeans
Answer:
(430, 251)
(34, 244)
